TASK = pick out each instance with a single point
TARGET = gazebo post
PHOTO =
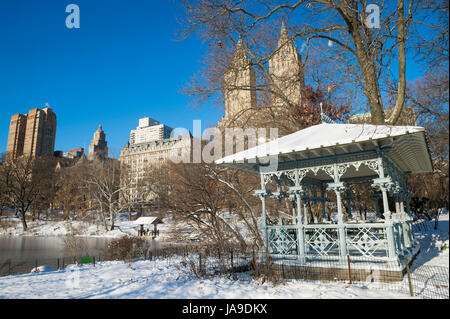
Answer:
(338, 186)
(263, 213)
(405, 217)
(384, 183)
(300, 227)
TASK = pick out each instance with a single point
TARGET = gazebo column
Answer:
(338, 187)
(388, 222)
(300, 229)
(299, 192)
(399, 219)
(405, 219)
(385, 183)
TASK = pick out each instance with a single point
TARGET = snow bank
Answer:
(166, 279)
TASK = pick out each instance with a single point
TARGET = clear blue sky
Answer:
(122, 64)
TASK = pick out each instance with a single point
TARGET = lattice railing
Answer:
(366, 240)
(321, 241)
(282, 240)
(362, 240)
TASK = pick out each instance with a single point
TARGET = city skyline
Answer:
(103, 73)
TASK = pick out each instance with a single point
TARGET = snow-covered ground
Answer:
(434, 245)
(169, 279)
(163, 279)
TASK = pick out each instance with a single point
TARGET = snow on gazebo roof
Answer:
(408, 145)
(147, 220)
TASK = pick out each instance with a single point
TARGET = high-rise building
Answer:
(98, 149)
(286, 72)
(240, 84)
(16, 137)
(149, 130)
(32, 134)
(148, 148)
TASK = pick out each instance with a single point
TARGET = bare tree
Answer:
(212, 199)
(104, 186)
(72, 193)
(22, 181)
(133, 193)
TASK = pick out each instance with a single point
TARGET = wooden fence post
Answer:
(409, 278)
(349, 270)
(231, 255)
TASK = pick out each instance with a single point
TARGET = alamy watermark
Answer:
(212, 144)
(73, 19)
(373, 19)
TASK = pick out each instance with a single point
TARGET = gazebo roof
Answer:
(408, 146)
(148, 220)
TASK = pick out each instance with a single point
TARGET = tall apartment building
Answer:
(240, 84)
(146, 149)
(32, 134)
(286, 72)
(149, 130)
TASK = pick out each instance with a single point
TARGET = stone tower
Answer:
(286, 72)
(240, 84)
(98, 148)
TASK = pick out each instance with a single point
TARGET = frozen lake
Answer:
(26, 248)
(30, 248)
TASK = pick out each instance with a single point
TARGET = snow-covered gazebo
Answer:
(148, 220)
(304, 166)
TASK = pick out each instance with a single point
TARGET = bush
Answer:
(126, 248)
(75, 246)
